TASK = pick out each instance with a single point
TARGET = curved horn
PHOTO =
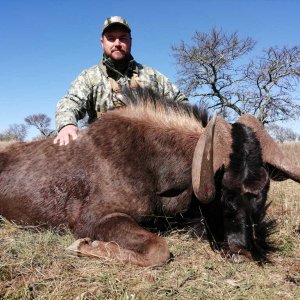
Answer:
(212, 151)
(271, 152)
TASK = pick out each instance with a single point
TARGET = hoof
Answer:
(77, 246)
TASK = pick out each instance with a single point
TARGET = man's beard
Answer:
(117, 66)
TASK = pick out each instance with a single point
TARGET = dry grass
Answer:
(35, 265)
(5, 144)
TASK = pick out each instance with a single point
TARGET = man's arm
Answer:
(172, 90)
(72, 108)
(166, 87)
(180, 97)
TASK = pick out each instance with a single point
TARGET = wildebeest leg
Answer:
(121, 238)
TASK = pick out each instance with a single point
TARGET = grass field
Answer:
(35, 265)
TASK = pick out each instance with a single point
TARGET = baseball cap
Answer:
(113, 21)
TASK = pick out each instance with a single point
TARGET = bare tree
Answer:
(282, 134)
(273, 79)
(41, 122)
(16, 132)
(214, 70)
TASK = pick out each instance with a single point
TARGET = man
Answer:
(97, 89)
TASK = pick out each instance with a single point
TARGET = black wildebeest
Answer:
(150, 158)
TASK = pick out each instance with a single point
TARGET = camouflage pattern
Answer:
(92, 93)
(113, 21)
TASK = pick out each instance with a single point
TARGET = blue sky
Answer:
(45, 44)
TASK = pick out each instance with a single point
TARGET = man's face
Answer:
(116, 43)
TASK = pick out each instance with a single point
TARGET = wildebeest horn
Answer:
(281, 168)
(212, 151)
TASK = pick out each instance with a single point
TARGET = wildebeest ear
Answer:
(279, 166)
(277, 174)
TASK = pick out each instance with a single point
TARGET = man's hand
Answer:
(65, 133)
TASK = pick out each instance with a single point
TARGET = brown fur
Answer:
(116, 166)
(133, 167)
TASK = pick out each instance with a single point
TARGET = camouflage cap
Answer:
(113, 21)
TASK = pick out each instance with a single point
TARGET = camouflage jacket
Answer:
(92, 92)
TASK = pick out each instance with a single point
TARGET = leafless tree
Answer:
(274, 78)
(282, 134)
(41, 122)
(16, 132)
(215, 70)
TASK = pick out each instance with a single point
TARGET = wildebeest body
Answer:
(107, 175)
(132, 166)
(118, 165)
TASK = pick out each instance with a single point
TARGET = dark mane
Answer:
(245, 174)
(148, 97)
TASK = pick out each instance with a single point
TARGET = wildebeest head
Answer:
(245, 185)
(248, 157)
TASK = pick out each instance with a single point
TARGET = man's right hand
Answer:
(64, 135)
